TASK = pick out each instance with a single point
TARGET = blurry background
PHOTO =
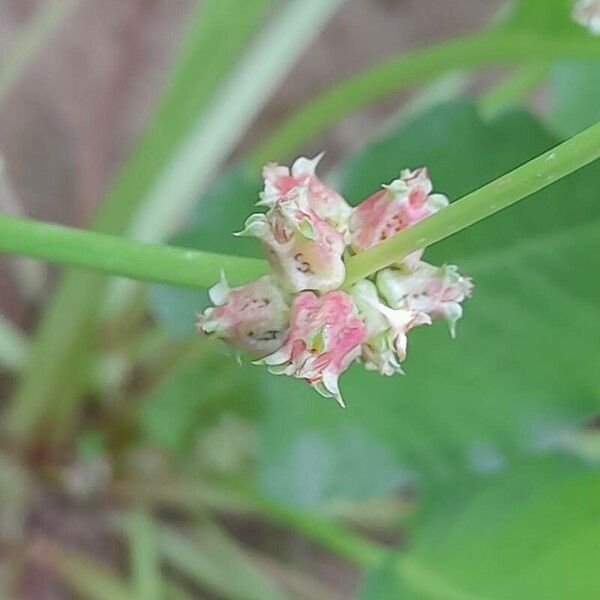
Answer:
(84, 100)
(173, 473)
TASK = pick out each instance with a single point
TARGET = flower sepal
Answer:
(324, 338)
(253, 318)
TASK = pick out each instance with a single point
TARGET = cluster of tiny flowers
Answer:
(297, 321)
(587, 13)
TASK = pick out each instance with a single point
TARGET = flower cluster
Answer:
(297, 321)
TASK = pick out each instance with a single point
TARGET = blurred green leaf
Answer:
(193, 396)
(574, 95)
(91, 445)
(236, 104)
(203, 64)
(176, 309)
(214, 560)
(86, 576)
(533, 533)
(144, 556)
(382, 582)
(522, 372)
(542, 17)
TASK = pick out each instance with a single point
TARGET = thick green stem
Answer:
(410, 68)
(119, 256)
(527, 179)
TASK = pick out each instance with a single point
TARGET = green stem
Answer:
(193, 268)
(119, 256)
(412, 67)
(71, 318)
(527, 179)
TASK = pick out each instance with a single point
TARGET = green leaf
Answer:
(522, 372)
(216, 561)
(83, 574)
(144, 556)
(533, 533)
(382, 582)
(574, 96)
(542, 17)
(194, 395)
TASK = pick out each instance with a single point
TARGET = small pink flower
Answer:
(399, 205)
(324, 201)
(324, 338)
(304, 251)
(384, 348)
(252, 317)
(436, 291)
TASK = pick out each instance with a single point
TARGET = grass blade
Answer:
(144, 556)
(84, 575)
(217, 562)
(48, 389)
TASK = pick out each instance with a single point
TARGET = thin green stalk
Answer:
(193, 268)
(217, 562)
(144, 556)
(410, 68)
(234, 107)
(30, 41)
(514, 90)
(335, 538)
(119, 256)
(205, 496)
(13, 345)
(527, 179)
(61, 339)
(84, 575)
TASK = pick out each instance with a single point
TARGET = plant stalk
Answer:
(115, 255)
(193, 268)
(478, 50)
(520, 183)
